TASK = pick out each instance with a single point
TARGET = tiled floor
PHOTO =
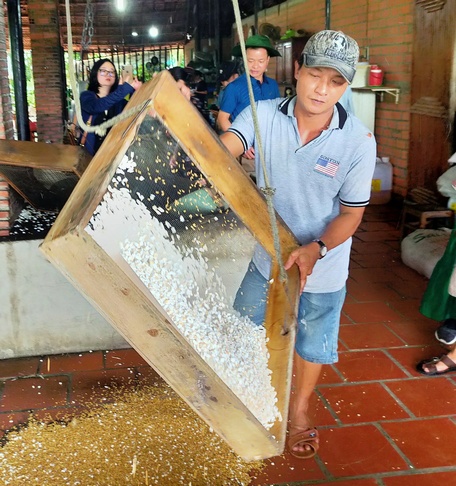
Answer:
(381, 423)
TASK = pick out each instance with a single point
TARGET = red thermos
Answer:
(375, 76)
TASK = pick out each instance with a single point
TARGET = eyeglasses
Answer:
(105, 72)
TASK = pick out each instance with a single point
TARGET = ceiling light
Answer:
(153, 31)
(134, 33)
(121, 5)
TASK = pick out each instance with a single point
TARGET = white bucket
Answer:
(382, 182)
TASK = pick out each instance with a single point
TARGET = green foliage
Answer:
(28, 77)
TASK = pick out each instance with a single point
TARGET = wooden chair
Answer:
(421, 208)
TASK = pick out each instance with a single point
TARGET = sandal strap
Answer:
(307, 437)
(448, 361)
(431, 366)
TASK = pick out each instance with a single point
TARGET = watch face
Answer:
(323, 249)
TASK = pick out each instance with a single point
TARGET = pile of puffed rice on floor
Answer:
(144, 437)
(191, 293)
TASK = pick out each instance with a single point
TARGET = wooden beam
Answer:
(41, 155)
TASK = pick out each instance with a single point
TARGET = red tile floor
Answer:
(381, 423)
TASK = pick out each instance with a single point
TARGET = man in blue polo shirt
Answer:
(320, 162)
(259, 50)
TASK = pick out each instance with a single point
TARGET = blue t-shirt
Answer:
(311, 181)
(236, 94)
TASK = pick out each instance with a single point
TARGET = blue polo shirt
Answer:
(311, 181)
(236, 94)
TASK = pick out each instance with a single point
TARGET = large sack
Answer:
(446, 183)
(422, 249)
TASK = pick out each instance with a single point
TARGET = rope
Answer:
(268, 191)
(98, 129)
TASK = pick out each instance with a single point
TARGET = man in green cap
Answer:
(259, 50)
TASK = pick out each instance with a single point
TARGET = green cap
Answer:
(257, 41)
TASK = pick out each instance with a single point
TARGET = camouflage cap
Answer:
(333, 49)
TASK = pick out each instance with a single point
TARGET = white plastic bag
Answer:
(446, 183)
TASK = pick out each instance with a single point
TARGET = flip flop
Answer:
(431, 365)
(305, 437)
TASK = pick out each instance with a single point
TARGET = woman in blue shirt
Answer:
(104, 99)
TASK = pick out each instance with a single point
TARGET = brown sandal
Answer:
(431, 366)
(304, 437)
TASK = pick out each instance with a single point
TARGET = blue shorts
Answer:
(318, 316)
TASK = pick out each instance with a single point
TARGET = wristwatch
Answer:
(323, 249)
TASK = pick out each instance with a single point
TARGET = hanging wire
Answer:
(268, 191)
(87, 31)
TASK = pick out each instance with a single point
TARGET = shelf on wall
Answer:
(382, 90)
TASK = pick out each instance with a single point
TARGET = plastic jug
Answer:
(375, 76)
(382, 182)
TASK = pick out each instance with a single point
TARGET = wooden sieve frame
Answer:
(124, 301)
(18, 155)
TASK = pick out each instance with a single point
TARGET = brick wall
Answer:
(11, 204)
(47, 69)
(7, 206)
(390, 39)
(386, 28)
(6, 115)
(4, 208)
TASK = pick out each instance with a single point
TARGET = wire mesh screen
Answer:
(44, 189)
(162, 218)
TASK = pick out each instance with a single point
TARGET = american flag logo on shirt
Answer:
(326, 166)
